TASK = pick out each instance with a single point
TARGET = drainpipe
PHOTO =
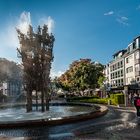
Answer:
(125, 86)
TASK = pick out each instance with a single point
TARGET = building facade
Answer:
(124, 69)
(11, 88)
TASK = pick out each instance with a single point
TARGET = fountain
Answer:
(59, 113)
(36, 52)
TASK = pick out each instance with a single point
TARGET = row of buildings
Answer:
(124, 70)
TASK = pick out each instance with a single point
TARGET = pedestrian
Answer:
(137, 104)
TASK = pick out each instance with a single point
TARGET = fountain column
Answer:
(36, 53)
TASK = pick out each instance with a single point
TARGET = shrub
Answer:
(81, 98)
(96, 100)
(117, 98)
(112, 96)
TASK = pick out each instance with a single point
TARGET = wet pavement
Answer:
(117, 124)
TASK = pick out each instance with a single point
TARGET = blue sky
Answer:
(83, 28)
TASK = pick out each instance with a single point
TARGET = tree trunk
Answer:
(36, 101)
(47, 100)
(42, 101)
(29, 101)
(47, 104)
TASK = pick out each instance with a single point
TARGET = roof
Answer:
(136, 37)
(123, 51)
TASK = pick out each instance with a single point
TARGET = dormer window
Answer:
(134, 45)
(128, 49)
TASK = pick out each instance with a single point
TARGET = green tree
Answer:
(101, 81)
(82, 74)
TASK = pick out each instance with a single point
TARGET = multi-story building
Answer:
(124, 69)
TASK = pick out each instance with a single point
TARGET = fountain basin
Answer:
(64, 113)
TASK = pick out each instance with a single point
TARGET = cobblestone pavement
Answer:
(118, 124)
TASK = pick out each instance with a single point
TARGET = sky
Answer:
(94, 29)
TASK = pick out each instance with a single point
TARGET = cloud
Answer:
(109, 13)
(123, 20)
(49, 21)
(120, 19)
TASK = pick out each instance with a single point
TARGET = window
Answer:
(121, 81)
(113, 75)
(121, 72)
(113, 83)
(128, 49)
(137, 54)
(138, 79)
(118, 65)
(134, 45)
(111, 68)
(115, 67)
(137, 67)
(107, 71)
(118, 73)
(129, 69)
(121, 64)
(137, 43)
(127, 60)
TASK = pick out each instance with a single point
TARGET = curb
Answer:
(58, 121)
(125, 108)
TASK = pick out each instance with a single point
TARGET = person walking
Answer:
(137, 104)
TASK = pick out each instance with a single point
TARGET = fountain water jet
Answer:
(36, 52)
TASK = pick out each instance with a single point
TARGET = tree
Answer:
(9, 70)
(101, 81)
(82, 74)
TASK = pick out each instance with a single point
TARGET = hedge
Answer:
(118, 98)
(81, 98)
(96, 100)
(115, 99)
